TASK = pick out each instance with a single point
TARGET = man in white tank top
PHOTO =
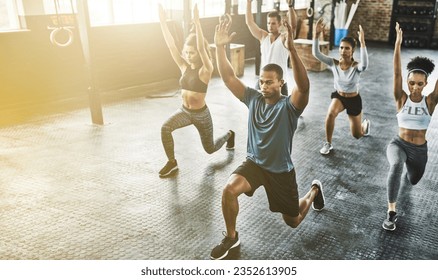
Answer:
(272, 42)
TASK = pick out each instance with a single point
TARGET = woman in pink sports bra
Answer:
(409, 148)
(196, 69)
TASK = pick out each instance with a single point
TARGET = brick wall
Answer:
(375, 18)
(373, 15)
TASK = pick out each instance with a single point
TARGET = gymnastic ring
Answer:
(309, 12)
(55, 32)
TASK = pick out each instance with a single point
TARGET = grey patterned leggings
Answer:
(400, 152)
(201, 119)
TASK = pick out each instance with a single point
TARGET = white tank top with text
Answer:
(414, 115)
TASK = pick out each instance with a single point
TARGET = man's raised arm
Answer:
(226, 71)
(300, 93)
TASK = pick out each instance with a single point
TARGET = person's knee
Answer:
(396, 166)
(293, 222)
(165, 129)
(357, 134)
(331, 115)
(414, 182)
(209, 149)
(230, 191)
(414, 179)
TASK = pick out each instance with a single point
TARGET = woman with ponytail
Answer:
(346, 77)
(196, 70)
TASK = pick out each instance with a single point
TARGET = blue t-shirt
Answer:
(270, 131)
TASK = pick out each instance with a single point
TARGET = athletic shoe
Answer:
(230, 141)
(367, 127)
(325, 150)
(168, 168)
(319, 201)
(221, 251)
(389, 222)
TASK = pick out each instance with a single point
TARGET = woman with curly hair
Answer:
(196, 69)
(414, 114)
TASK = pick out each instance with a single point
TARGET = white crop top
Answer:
(414, 115)
(344, 80)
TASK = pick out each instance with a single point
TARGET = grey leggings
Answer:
(201, 119)
(400, 152)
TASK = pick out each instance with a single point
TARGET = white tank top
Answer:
(274, 53)
(414, 115)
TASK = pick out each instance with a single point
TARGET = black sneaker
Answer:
(230, 141)
(168, 168)
(319, 201)
(389, 222)
(221, 251)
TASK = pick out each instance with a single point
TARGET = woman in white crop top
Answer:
(346, 74)
(409, 148)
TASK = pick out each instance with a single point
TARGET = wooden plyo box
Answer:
(237, 58)
(304, 49)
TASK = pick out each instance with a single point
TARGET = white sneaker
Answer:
(367, 127)
(326, 148)
(319, 201)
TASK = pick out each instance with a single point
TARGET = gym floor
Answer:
(73, 190)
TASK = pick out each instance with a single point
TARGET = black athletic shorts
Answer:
(281, 188)
(353, 105)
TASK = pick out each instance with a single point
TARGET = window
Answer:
(301, 4)
(268, 5)
(9, 15)
(107, 12)
(62, 12)
(60, 6)
(210, 8)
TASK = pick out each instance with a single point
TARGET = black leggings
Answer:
(201, 119)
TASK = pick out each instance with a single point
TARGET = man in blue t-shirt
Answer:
(272, 122)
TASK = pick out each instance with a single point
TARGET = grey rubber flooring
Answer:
(73, 190)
